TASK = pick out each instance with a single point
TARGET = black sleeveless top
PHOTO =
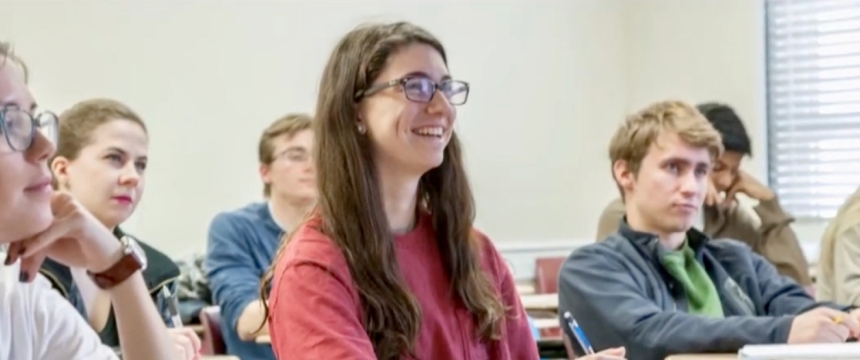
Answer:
(160, 271)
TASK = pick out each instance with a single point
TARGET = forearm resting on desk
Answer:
(252, 321)
(141, 330)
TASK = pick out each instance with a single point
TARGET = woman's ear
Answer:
(59, 168)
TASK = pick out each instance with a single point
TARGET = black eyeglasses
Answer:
(19, 127)
(422, 89)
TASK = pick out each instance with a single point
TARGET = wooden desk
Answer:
(703, 357)
(525, 287)
(540, 302)
(198, 329)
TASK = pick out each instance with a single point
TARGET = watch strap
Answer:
(116, 274)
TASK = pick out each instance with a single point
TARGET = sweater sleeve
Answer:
(61, 333)
(610, 219)
(846, 267)
(233, 279)
(777, 243)
(520, 343)
(313, 315)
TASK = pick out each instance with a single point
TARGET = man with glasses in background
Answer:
(242, 243)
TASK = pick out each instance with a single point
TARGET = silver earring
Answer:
(361, 129)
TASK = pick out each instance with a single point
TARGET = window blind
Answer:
(813, 86)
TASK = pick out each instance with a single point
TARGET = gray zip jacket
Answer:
(620, 295)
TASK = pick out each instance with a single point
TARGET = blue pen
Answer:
(578, 334)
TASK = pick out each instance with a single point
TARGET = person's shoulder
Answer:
(250, 213)
(731, 251)
(616, 206)
(39, 300)
(485, 246)
(252, 223)
(725, 246)
(490, 258)
(55, 323)
(614, 249)
(612, 244)
(310, 245)
(483, 242)
(59, 277)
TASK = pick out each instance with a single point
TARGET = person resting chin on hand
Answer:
(101, 160)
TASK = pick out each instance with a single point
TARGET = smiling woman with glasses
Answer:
(390, 266)
(36, 223)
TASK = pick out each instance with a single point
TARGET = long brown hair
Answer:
(351, 209)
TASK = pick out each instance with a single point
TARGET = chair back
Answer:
(546, 274)
(213, 341)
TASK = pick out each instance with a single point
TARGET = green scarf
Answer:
(702, 297)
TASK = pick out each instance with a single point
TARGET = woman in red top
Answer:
(389, 266)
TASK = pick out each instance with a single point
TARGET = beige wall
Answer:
(551, 80)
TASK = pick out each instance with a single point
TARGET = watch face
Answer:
(137, 251)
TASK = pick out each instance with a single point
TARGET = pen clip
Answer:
(172, 306)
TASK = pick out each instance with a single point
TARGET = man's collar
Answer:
(651, 244)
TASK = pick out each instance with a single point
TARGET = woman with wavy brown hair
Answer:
(389, 266)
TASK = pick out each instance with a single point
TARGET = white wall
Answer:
(706, 50)
(548, 78)
(551, 80)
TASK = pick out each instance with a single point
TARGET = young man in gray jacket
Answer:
(659, 287)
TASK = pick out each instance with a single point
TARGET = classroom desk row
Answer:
(550, 347)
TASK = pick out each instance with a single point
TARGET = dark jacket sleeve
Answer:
(613, 309)
(781, 295)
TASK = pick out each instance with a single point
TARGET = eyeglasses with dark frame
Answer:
(19, 127)
(421, 89)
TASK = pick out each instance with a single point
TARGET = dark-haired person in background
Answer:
(770, 235)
